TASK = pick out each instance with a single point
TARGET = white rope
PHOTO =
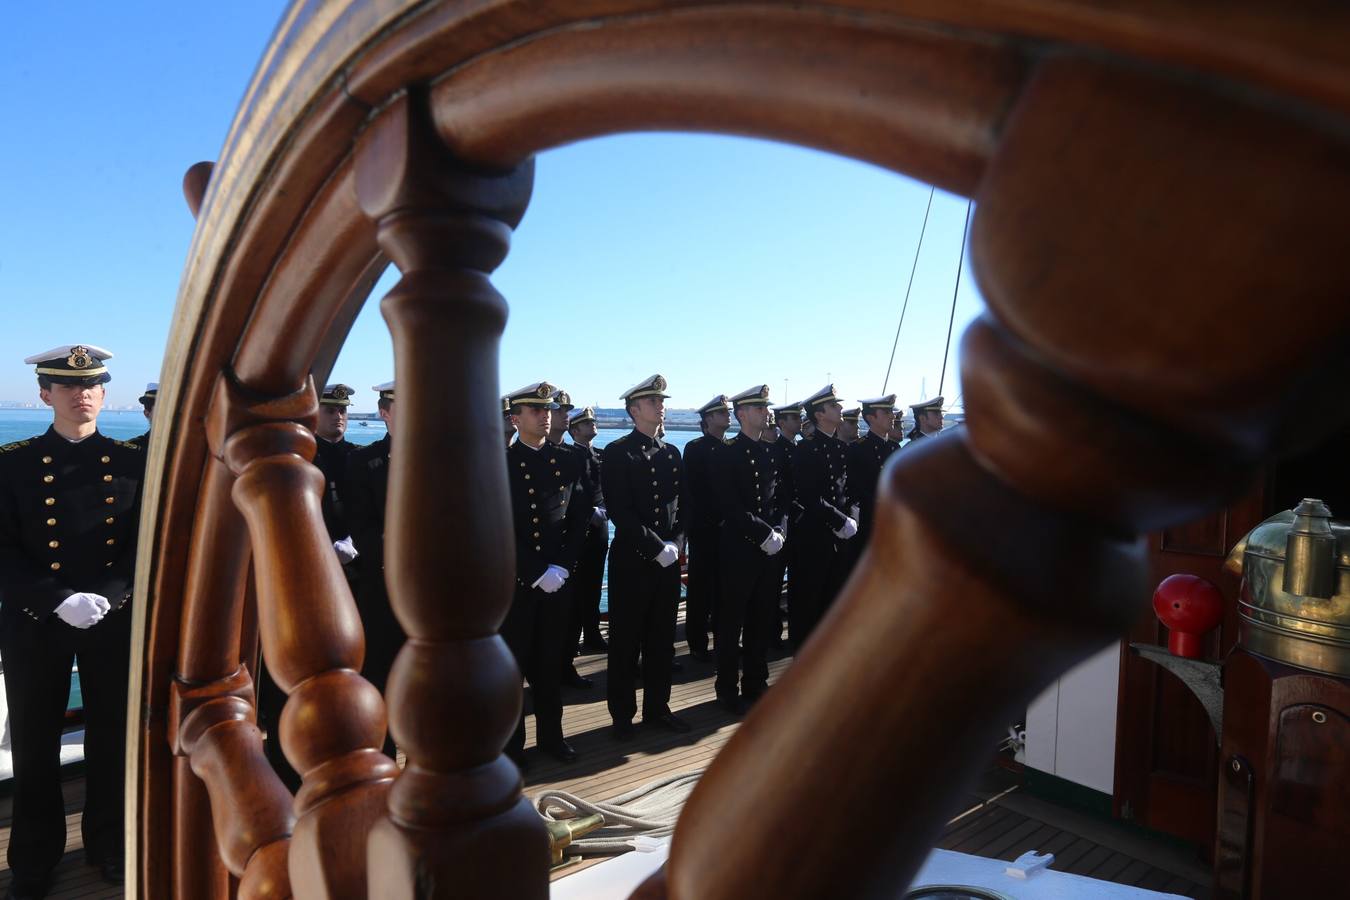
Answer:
(648, 811)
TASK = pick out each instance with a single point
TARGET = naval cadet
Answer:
(820, 479)
(330, 457)
(751, 536)
(700, 597)
(563, 407)
(365, 492)
(848, 425)
(589, 579)
(331, 450)
(147, 402)
(865, 459)
(789, 421)
(549, 512)
(927, 418)
(69, 511)
(642, 477)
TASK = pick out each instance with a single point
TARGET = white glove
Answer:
(669, 553)
(345, 550)
(599, 516)
(847, 530)
(551, 580)
(83, 610)
(773, 543)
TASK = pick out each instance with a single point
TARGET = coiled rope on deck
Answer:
(648, 811)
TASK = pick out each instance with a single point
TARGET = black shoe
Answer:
(623, 731)
(594, 647)
(572, 679)
(668, 721)
(561, 751)
(26, 888)
(520, 759)
(701, 655)
(733, 705)
(676, 666)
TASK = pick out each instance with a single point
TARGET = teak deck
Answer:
(998, 821)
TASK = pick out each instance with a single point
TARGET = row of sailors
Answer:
(731, 504)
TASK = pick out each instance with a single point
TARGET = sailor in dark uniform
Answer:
(643, 480)
(704, 516)
(69, 511)
(865, 459)
(330, 457)
(147, 402)
(927, 418)
(589, 578)
(363, 500)
(789, 421)
(549, 513)
(563, 404)
(848, 425)
(820, 479)
(745, 475)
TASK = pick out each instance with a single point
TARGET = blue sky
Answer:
(719, 262)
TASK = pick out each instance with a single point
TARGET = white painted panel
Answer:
(1042, 716)
(1085, 743)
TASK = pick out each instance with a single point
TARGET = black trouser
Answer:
(818, 572)
(37, 657)
(587, 582)
(271, 699)
(536, 631)
(774, 621)
(384, 636)
(700, 599)
(643, 598)
(749, 598)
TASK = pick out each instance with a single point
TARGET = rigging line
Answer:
(965, 229)
(905, 305)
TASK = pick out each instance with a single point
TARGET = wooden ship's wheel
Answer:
(1160, 191)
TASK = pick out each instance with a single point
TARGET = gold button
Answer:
(552, 461)
(537, 547)
(533, 505)
(108, 565)
(109, 520)
(531, 490)
(53, 544)
(107, 478)
(110, 541)
(558, 474)
(48, 479)
(47, 460)
(51, 521)
(535, 519)
(653, 484)
(522, 465)
(109, 499)
(107, 459)
(536, 534)
(527, 477)
(55, 566)
(50, 501)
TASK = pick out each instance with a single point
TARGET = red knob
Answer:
(1189, 606)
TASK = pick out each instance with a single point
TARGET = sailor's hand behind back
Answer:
(773, 543)
(83, 610)
(345, 550)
